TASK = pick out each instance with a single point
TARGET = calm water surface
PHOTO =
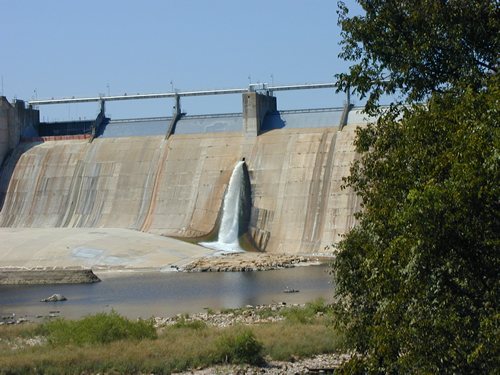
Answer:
(165, 294)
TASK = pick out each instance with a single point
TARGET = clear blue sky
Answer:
(84, 48)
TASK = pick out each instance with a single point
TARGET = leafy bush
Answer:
(101, 328)
(239, 347)
(317, 306)
(307, 314)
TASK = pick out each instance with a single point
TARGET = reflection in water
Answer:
(240, 281)
(164, 294)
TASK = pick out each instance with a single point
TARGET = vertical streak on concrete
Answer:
(200, 166)
(148, 192)
(318, 193)
(342, 203)
(28, 196)
(59, 181)
(146, 224)
(279, 212)
(87, 197)
(314, 198)
(325, 194)
(76, 189)
(37, 187)
(72, 197)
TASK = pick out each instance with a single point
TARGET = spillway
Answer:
(233, 206)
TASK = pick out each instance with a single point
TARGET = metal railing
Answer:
(251, 88)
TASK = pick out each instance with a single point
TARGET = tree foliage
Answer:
(416, 48)
(417, 284)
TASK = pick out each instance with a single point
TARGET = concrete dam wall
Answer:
(175, 187)
(174, 184)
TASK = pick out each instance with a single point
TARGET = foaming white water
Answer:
(227, 238)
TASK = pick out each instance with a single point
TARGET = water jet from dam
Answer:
(232, 210)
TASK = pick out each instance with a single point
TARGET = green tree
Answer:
(417, 284)
(415, 48)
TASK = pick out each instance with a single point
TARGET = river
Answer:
(147, 294)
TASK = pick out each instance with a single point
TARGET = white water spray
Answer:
(227, 240)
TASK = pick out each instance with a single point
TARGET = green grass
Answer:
(8, 332)
(179, 347)
(307, 314)
(286, 341)
(191, 324)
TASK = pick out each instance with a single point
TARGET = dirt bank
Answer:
(15, 276)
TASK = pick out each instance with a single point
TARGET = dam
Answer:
(151, 181)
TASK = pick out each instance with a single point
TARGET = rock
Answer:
(54, 298)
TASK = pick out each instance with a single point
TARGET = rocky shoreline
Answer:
(320, 364)
(247, 315)
(32, 276)
(248, 262)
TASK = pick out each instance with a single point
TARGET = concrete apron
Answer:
(96, 248)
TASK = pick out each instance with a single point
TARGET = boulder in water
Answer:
(54, 298)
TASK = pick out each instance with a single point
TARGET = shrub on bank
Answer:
(239, 347)
(101, 328)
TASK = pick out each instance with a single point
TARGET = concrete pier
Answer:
(255, 108)
(15, 121)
